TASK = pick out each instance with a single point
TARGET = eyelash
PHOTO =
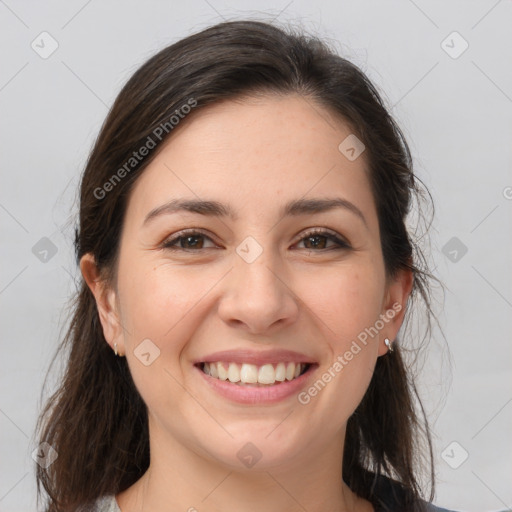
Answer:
(170, 244)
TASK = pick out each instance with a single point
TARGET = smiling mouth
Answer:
(246, 374)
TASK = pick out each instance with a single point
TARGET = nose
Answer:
(258, 296)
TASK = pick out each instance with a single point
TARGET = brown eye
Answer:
(192, 242)
(318, 240)
(187, 241)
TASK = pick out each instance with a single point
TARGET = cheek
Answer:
(350, 305)
(156, 300)
(347, 301)
(158, 305)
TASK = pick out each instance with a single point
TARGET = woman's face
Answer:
(259, 280)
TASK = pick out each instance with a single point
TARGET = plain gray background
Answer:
(454, 106)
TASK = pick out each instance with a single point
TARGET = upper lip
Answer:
(256, 357)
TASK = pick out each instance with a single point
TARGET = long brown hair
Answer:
(96, 420)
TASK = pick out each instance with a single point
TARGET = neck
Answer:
(181, 479)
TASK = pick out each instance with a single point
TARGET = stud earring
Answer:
(388, 344)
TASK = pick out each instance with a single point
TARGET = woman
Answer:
(246, 271)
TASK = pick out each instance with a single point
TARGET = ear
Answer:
(105, 301)
(394, 306)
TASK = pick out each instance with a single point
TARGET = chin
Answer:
(254, 447)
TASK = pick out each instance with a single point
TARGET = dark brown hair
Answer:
(96, 420)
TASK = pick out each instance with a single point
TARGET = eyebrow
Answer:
(217, 209)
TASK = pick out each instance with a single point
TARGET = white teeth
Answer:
(249, 373)
(233, 372)
(267, 374)
(223, 373)
(280, 372)
(246, 373)
(290, 371)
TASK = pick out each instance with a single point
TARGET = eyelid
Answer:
(322, 231)
(174, 238)
(339, 240)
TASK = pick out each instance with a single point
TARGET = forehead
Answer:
(255, 154)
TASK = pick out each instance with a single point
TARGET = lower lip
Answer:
(258, 395)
